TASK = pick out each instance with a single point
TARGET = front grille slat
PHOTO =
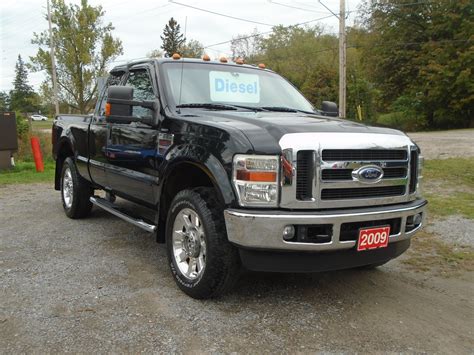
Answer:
(305, 174)
(413, 171)
(366, 192)
(346, 174)
(363, 154)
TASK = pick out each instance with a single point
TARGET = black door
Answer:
(132, 148)
(99, 133)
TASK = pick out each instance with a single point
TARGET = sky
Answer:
(139, 24)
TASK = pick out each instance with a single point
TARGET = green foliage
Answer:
(192, 49)
(423, 53)
(22, 127)
(84, 46)
(22, 97)
(4, 101)
(172, 38)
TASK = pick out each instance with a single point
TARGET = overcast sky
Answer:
(139, 23)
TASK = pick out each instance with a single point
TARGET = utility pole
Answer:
(342, 59)
(342, 55)
(53, 62)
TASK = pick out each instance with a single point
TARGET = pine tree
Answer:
(22, 97)
(172, 38)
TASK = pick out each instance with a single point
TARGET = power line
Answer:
(295, 7)
(268, 32)
(221, 14)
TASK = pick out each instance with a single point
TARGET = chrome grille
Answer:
(334, 170)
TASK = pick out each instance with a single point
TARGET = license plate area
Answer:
(373, 238)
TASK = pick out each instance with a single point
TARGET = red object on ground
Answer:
(35, 147)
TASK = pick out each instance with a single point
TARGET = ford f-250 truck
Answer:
(234, 168)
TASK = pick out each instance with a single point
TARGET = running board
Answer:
(116, 211)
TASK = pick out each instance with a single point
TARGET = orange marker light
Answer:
(108, 106)
(206, 58)
(176, 56)
(261, 66)
(223, 59)
(239, 61)
(259, 176)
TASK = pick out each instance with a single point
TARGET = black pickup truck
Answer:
(233, 168)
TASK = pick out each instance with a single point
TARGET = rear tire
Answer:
(75, 191)
(203, 262)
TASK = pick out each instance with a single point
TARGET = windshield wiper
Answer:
(207, 105)
(283, 109)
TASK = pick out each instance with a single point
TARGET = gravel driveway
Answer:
(445, 144)
(101, 285)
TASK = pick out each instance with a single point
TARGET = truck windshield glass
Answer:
(208, 84)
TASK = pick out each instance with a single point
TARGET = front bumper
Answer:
(263, 230)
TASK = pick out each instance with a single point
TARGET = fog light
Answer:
(417, 219)
(288, 232)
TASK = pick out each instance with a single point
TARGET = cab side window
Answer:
(113, 79)
(142, 90)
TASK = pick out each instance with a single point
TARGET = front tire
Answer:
(75, 191)
(203, 262)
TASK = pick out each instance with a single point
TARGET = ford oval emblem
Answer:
(368, 174)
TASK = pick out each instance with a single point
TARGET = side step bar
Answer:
(115, 210)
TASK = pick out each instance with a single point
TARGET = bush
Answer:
(22, 127)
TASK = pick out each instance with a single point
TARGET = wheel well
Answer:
(185, 176)
(64, 151)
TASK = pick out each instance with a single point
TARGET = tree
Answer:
(155, 53)
(192, 49)
(246, 46)
(421, 58)
(84, 46)
(172, 38)
(4, 101)
(22, 97)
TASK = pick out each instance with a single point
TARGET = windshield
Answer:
(205, 83)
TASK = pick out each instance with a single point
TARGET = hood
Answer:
(265, 129)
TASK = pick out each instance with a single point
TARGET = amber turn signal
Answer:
(258, 176)
(108, 106)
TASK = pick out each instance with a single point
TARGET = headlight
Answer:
(255, 179)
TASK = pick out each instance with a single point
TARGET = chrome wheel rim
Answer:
(67, 188)
(189, 244)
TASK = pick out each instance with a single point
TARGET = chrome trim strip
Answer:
(264, 230)
(109, 207)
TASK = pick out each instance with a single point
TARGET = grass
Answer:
(25, 172)
(431, 254)
(452, 171)
(457, 175)
(41, 125)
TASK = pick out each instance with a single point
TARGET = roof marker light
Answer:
(176, 56)
(206, 58)
(223, 59)
(261, 66)
(239, 61)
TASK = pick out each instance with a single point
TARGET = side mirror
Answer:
(120, 104)
(329, 108)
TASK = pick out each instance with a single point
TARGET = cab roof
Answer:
(133, 62)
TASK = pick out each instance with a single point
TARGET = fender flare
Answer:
(206, 162)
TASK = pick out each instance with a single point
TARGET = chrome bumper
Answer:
(264, 229)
